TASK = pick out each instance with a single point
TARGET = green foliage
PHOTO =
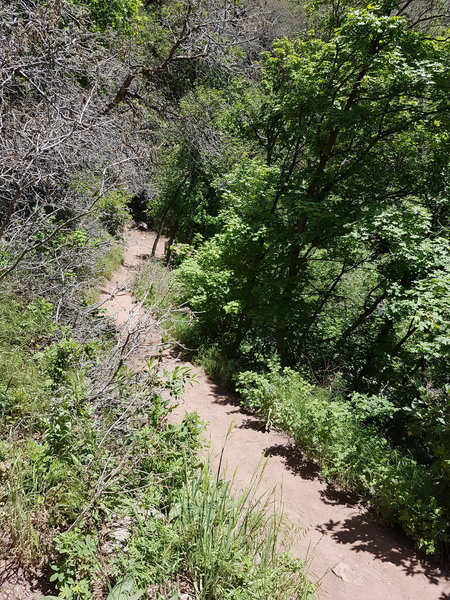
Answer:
(160, 289)
(77, 565)
(351, 451)
(217, 365)
(21, 325)
(329, 200)
(229, 548)
(22, 383)
(189, 201)
(157, 286)
(331, 247)
(107, 263)
(119, 14)
(59, 359)
(110, 261)
(113, 211)
(125, 590)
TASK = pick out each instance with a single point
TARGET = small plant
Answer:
(77, 565)
(59, 359)
(113, 211)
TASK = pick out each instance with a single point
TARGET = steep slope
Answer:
(350, 555)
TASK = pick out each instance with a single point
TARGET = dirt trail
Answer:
(355, 558)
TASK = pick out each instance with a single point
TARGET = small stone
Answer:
(347, 574)
(120, 535)
(107, 548)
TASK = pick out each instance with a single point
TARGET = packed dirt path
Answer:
(351, 556)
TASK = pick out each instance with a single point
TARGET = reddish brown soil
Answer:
(18, 584)
(352, 556)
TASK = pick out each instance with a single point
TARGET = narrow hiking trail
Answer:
(353, 557)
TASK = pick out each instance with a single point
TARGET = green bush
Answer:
(113, 211)
(218, 366)
(107, 263)
(119, 14)
(351, 450)
(77, 565)
(222, 547)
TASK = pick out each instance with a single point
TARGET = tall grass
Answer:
(159, 289)
(156, 286)
(108, 262)
(226, 547)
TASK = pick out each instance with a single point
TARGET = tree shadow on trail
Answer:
(299, 464)
(254, 423)
(362, 531)
(388, 544)
(335, 496)
(295, 461)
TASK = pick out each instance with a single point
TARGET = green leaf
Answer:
(125, 590)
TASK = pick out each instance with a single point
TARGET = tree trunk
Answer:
(173, 234)
(159, 233)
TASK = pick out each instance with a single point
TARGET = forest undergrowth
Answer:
(294, 155)
(102, 496)
(345, 437)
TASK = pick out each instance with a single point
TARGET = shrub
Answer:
(351, 451)
(113, 211)
(218, 366)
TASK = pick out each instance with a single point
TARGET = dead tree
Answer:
(59, 151)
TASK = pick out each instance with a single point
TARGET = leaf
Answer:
(125, 590)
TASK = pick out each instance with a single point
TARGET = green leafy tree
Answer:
(118, 14)
(345, 128)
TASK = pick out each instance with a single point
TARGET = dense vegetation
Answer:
(100, 497)
(295, 156)
(311, 215)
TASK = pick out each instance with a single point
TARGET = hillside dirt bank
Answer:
(353, 557)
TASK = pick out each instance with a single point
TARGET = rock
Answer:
(142, 226)
(347, 574)
(107, 548)
(120, 535)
